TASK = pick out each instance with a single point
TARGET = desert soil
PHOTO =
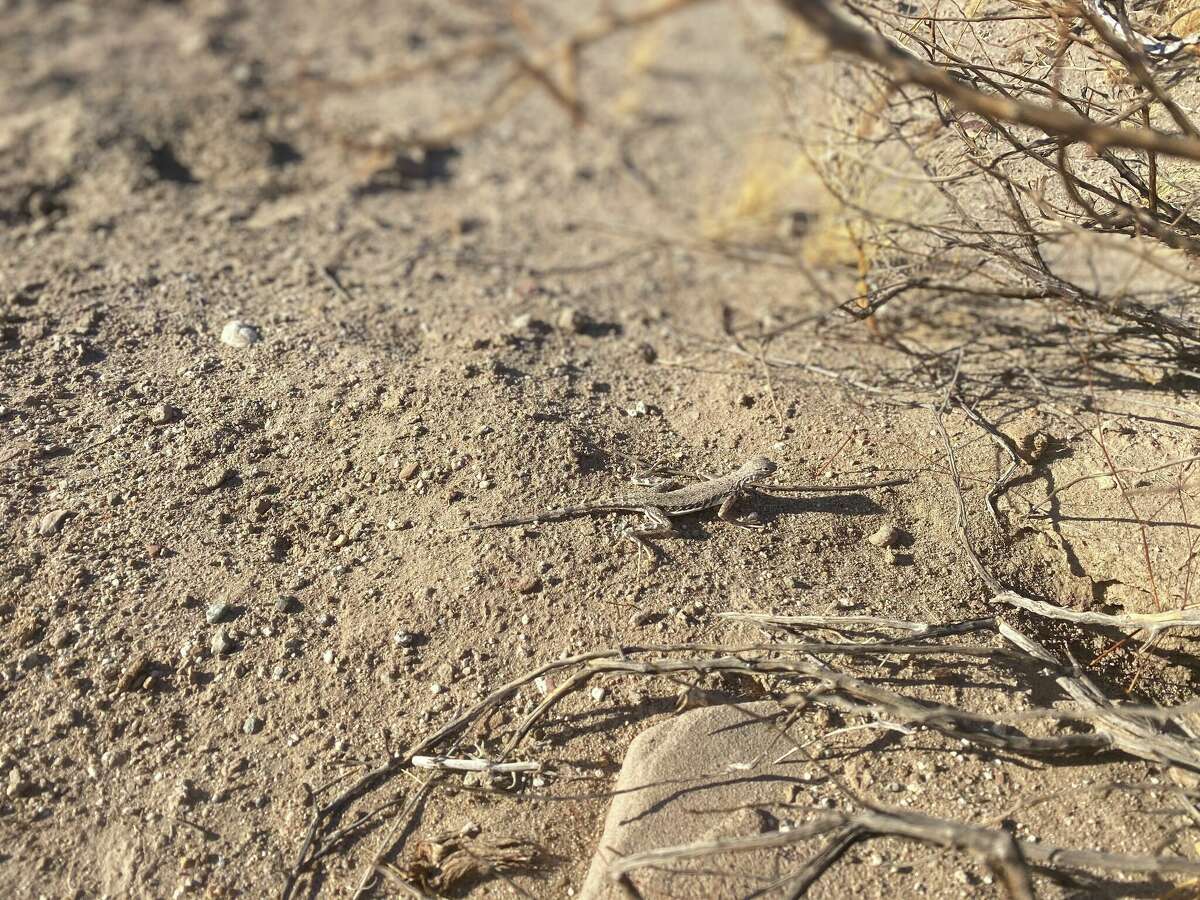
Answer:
(231, 563)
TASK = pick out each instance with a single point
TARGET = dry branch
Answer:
(1007, 856)
(1152, 623)
(904, 68)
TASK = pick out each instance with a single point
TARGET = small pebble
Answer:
(252, 725)
(217, 612)
(571, 319)
(435, 688)
(886, 536)
(114, 759)
(528, 585)
(328, 657)
(131, 675)
(51, 523)
(216, 477)
(598, 694)
(285, 604)
(18, 785)
(239, 334)
(221, 643)
(408, 470)
(163, 414)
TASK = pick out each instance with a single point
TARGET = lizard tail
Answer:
(550, 515)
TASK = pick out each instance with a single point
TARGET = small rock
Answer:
(886, 536)
(521, 322)
(598, 694)
(279, 546)
(571, 319)
(216, 477)
(1036, 445)
(435, 688)
(221, 644)
(239, 334)
(186, 793)
(217, 612)
(18, 785)
(114, 759)
(30, 631)
(285, 604)
(252, 725)
(163, 414)
(52, 522)
(62, 638)
(131, 675)
(404, 638)
(328, 657)
(326, 620)
(408, 471)
(530, 584)
(1106, 483)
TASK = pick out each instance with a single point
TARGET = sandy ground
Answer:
(232, 572)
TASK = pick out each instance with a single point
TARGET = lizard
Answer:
(658, 504)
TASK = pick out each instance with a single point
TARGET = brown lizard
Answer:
(658, 505)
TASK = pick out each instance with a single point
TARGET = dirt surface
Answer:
(231, 563)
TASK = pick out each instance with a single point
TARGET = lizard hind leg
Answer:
(657, 484)
(659, 525)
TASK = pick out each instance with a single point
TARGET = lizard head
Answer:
(757, 467)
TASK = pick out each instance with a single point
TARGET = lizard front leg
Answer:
(726, 514)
